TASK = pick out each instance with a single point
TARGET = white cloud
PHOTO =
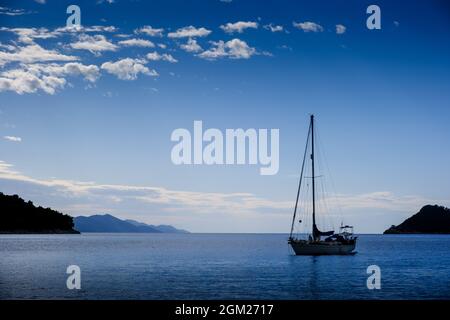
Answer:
(285, 47)
(33, 53)
(308, 26)
(128, 69)
(274, 28)
(234, 49)
(122, 35)
(89, 72)
(194, 208)
(81, 29)
(45, 77)
(173, 200)
(155, 56)
(189, 32)
(12, 12)
(22, 81)
(40, 1)
(8, 47)
(13, 138)
(150, 31)
(239, 26)
(137, 43)
(382, 200)
(95, 44)
(27, 35)
(340, 29)
(191, 46)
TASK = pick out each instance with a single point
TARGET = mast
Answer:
(313, 178)
(300, 182)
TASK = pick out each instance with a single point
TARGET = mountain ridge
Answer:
(107, 223)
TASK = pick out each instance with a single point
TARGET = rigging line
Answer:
(303, 202)
(303, 211)
(300, 181)
(332, 215)
(328, 219)
(306, 209)
(333, 185)
(304, 214)
(323, 217)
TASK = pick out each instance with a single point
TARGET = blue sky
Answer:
(86, 134)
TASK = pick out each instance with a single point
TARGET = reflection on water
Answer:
(217, 266)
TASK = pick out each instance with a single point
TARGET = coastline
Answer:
(40, 232)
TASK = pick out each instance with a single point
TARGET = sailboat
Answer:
(319, 242)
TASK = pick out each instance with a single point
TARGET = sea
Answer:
(220, 266)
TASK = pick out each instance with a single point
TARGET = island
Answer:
(23, 217)
(431, 219)
(106, 223)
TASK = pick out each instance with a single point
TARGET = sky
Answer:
(86, 114)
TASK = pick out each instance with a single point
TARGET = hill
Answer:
(109, 224)
(430, 219)
(161, 228)
(20, 216)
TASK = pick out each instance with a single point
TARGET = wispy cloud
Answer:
(33, 53)
(150, 31)
(78, 197)
(274, 28)
(239, 26)
(308, 26)
(105, 1)
(95, 44)
(189, 32)
(77, 193)
(85, 29)
(13, 138)
(12, 12)
(137, 43)
(28, 35)
(384, 200)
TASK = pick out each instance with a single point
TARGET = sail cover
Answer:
(317, 233)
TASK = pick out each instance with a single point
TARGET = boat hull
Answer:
(306, 248)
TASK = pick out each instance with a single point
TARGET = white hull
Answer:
(306, 248)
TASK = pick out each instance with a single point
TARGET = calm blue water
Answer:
(218, 266)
